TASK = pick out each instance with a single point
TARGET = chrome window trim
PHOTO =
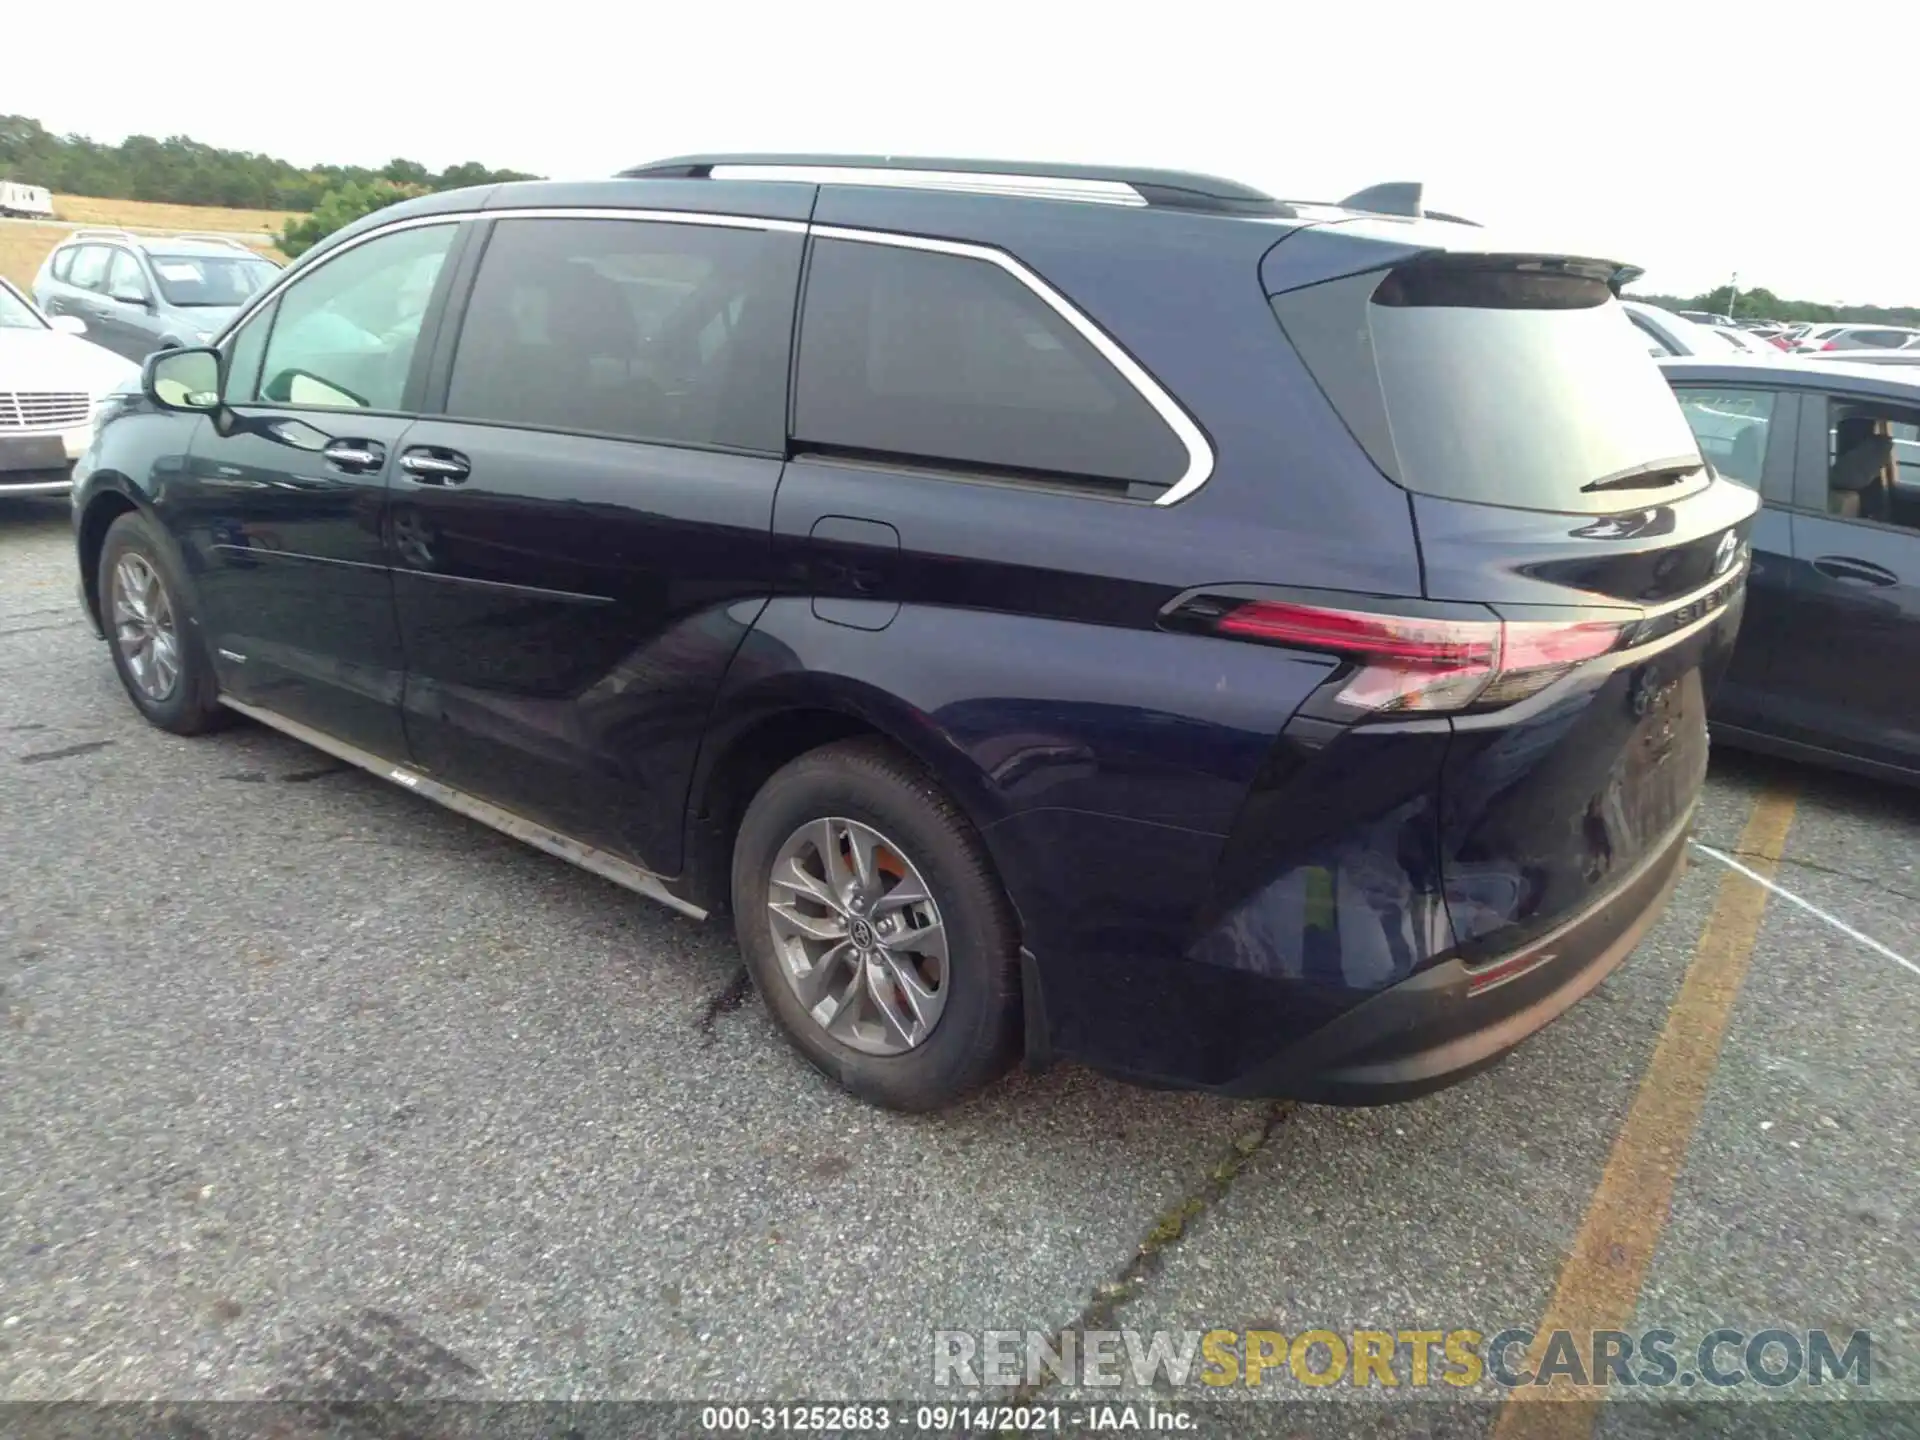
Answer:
(1199, 451)
(1200, 455)
(1029, 187)
(668, 217)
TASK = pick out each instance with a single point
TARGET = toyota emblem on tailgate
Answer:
(1723, 557)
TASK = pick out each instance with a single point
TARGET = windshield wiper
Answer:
(1650, 476)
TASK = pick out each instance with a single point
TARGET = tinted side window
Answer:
(344, 333)
(951, 360)
(88, 268)
(124, 276)
(643, 330)
(1731, 426)
(1873, 462)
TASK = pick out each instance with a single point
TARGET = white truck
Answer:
(26, 202)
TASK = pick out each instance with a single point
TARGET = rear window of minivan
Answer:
(1497, 383)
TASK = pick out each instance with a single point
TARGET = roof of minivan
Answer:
(1889, 381)
(1343, 241)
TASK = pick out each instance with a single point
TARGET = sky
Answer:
(1697, 140)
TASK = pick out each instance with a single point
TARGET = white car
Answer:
(1670, 333)
(51, 382)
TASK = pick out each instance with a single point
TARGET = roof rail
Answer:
(212, 238)
(1399, 197)
(1101, 184)
(102, 233)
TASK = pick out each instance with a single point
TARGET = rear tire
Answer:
(153, 630)
(873, 962)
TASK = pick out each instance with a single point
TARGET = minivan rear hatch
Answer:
(1554, 483)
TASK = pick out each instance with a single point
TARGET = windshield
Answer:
(15, 313)
(1493, 382)
(211, 280)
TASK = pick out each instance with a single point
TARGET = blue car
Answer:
(1234, 642)
(1829, 669)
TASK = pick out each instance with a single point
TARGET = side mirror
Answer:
(68, 324)
(186, 380)
(131, 297)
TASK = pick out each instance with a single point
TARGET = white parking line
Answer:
(1808, 906)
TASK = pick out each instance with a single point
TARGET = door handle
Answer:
(435, 467)
(1844, 567)
(356, 457)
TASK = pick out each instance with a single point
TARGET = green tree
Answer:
(340, 207)
(182, 171)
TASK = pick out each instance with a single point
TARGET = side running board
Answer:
(574, 852)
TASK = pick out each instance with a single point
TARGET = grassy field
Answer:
(24, 246)
(141, 215)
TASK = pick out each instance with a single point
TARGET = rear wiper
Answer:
(1650, 476)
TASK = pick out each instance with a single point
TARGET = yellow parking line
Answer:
(1600, 1281)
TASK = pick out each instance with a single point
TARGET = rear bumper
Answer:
(1449, 1022)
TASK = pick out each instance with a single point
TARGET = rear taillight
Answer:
(1830, 345)
(1409, 663)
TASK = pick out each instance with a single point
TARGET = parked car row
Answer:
(1670, 332)
(1693, 332)
(1828, 338)
(888, 554)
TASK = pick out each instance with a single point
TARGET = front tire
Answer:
(875, 929)
(153, 630)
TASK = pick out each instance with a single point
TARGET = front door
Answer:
(1854, 653)
(581, 541)
(283, 507)
(125, 313)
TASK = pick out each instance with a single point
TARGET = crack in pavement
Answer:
(86, 747)
(1832, 870)
(1168, 1231)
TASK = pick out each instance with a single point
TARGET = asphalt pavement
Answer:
(310, 1089)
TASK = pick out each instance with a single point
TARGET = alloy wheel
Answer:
(858, 935)
(143, 627)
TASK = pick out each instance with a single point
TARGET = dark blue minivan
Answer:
(1235, 643)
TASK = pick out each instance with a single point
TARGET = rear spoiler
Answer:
(1624, 276)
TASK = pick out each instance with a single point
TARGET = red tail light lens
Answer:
(1410, 663)
(1830, 345)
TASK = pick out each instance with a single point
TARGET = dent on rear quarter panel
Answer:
(1102, 765)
